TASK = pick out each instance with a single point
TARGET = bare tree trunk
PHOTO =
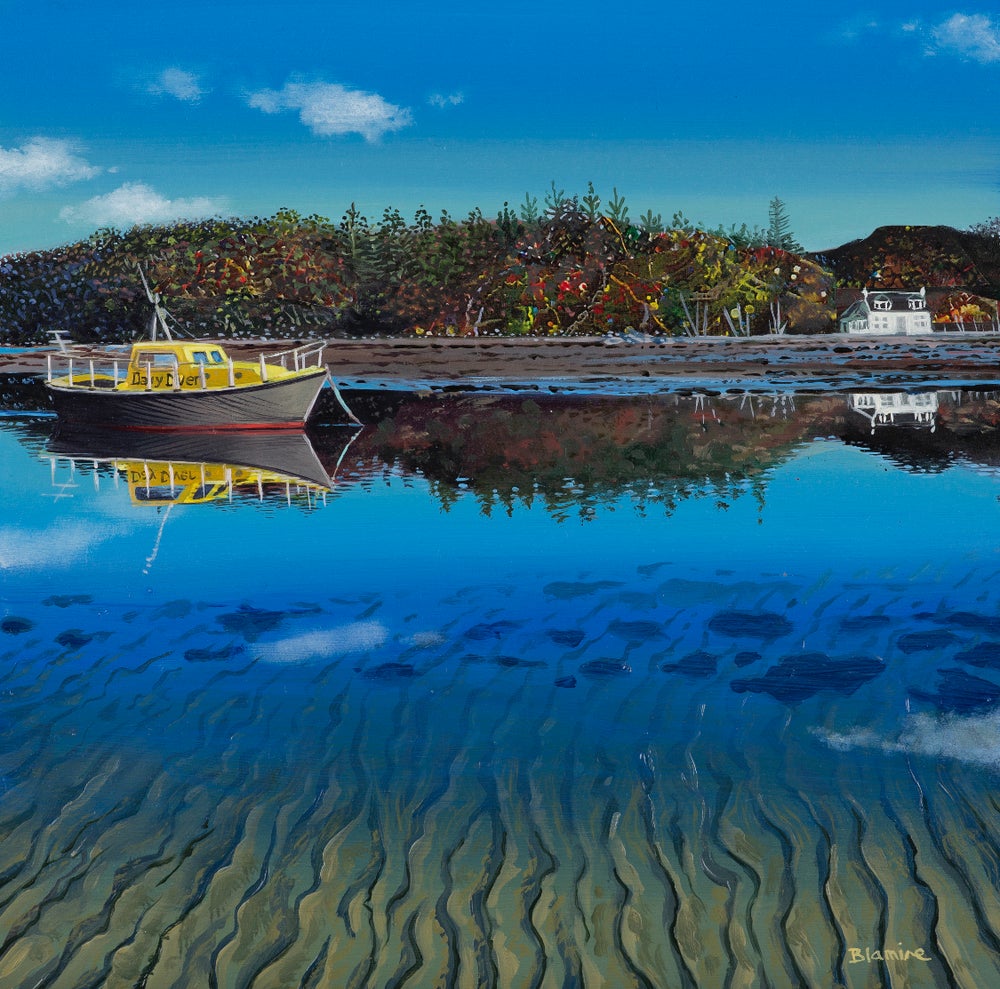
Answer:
(687, 312)
(777, 326)
(741, 328)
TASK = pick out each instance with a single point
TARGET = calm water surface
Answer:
(678, 691)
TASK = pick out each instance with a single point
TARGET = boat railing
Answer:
(182, 482)
(82, 371)
(301, 357)
(103, 374)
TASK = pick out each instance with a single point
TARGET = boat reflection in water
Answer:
(194, 469)
(897, 408)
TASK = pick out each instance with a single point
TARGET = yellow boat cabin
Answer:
(194, 366)
(169, 483)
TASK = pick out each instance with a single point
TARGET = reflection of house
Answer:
(899, 313)
(897, 408)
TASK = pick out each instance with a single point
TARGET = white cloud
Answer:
(441, 101)
(967, 738)
(356, 637)
(972, 36)
(61, 546)
(330, 109)
(135, 203)
(40, 163)
(858, 27)
(177, 83)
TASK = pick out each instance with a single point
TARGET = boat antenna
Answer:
(158, 322)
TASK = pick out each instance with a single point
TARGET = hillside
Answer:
(905, 257)
(568, 272)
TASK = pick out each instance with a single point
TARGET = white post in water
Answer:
(232, 375)
(263, 369)
(48, 367)
(201, 376)
(91, 374)
(115, 371)
(149, 376)
(70, 376)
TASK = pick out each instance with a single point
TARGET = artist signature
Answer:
(883, 954)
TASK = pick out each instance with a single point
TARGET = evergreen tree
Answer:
(592, 203)
(617, 210)
(779, 232)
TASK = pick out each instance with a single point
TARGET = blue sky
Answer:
(854, 115)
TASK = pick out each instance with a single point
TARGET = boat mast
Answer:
(158, 321)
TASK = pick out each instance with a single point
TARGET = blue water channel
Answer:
(718, 705)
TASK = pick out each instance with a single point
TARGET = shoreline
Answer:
(612, 365)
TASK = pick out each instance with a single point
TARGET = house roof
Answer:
(888, 301)
(858, 308)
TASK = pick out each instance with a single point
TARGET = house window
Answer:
(917, 303)
(882, 304)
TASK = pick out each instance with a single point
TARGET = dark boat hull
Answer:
(284, 404)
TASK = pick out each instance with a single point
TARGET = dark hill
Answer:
(907, 257)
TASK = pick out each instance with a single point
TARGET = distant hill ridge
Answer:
(907, 257)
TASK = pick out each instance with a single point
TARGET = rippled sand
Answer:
(335, 793)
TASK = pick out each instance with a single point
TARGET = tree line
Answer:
(569, 265)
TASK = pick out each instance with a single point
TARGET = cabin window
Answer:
(200, 357)
(156, 359)
(155, 493)
(217, 357)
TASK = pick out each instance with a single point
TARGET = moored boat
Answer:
(172, 385)
(164, 384)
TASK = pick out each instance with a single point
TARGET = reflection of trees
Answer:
(575, 454)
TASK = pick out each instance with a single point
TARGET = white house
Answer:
(896, 313)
